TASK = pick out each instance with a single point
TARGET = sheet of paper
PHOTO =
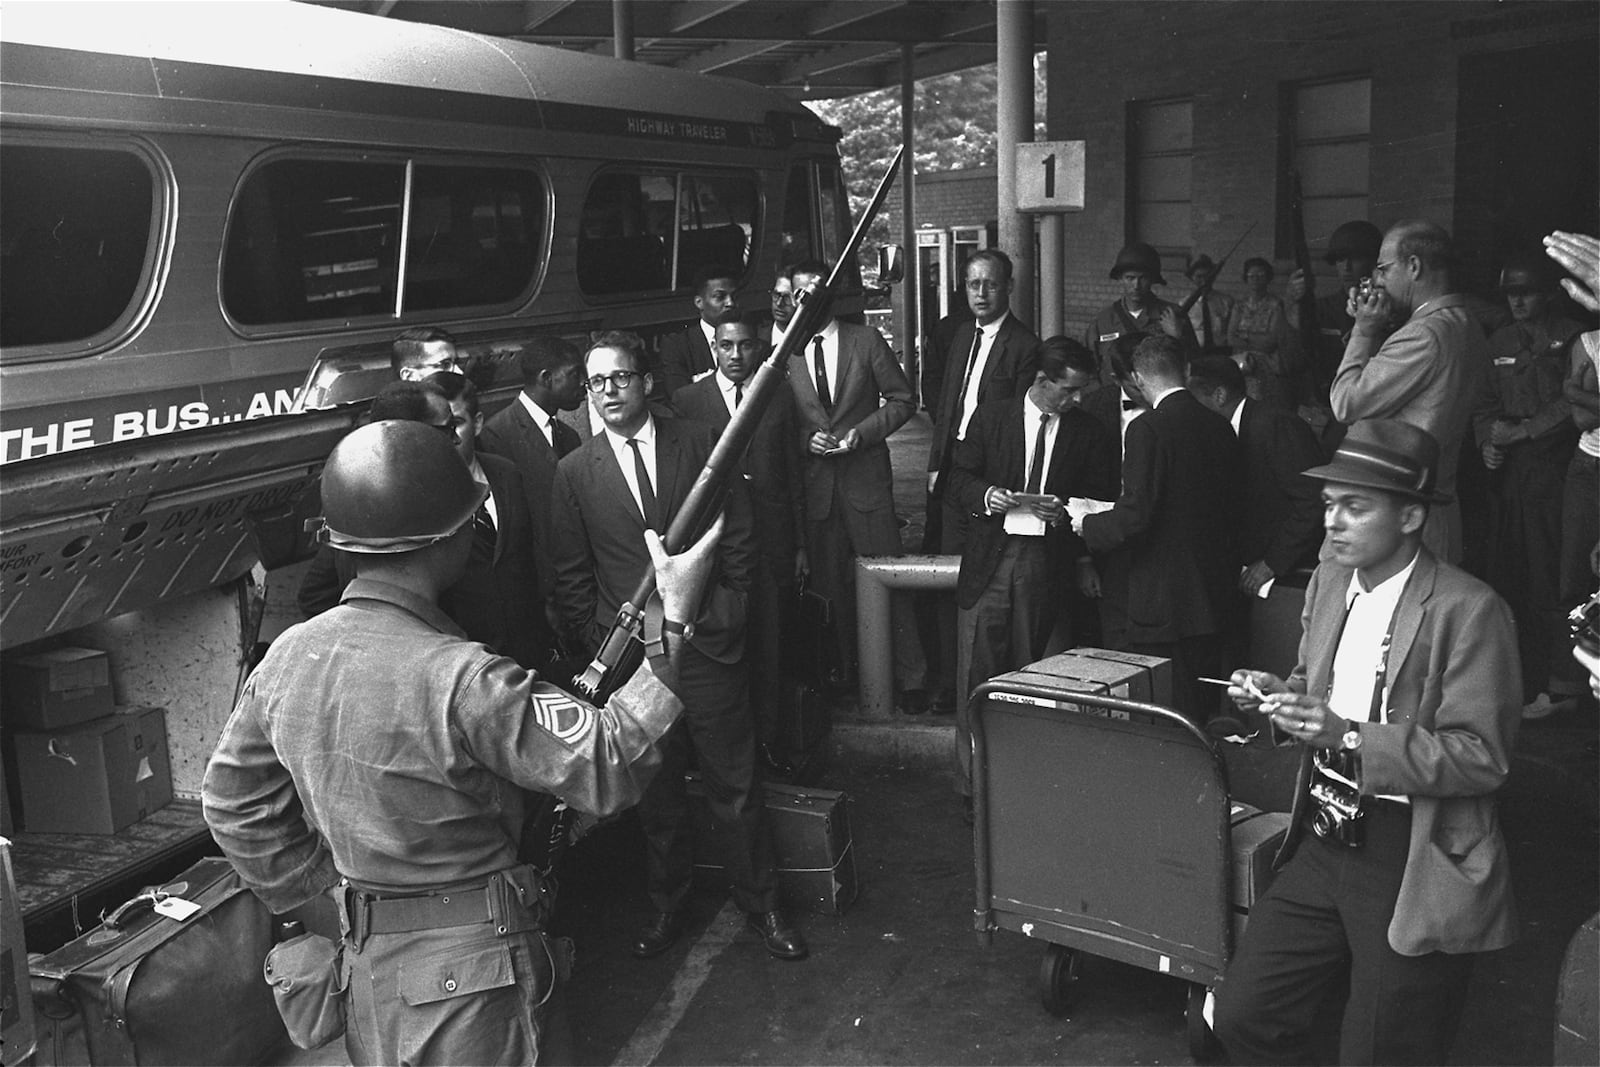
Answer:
(1023, 522)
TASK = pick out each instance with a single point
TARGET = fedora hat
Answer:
(1387, 454)
(1139, 256)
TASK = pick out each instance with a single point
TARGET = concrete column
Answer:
(1051, 239)
(1014, 125)
(875, 577)
(910, 290)
(622, 28)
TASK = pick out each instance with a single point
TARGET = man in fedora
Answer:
(1208, 315)
(1406, 698)
(1138, 310)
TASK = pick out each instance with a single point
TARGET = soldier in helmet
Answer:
(1525, 431)
(375, 753)
(1138, 310)
(1352, 252)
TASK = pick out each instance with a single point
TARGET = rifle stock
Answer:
(1302, 261)
(1201, 290)
(622, 651)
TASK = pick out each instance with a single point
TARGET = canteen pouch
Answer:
(306, 974)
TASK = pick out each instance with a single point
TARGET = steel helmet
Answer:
(1139, 256)
(394, 486)
(1528, 273)
(1359, 239)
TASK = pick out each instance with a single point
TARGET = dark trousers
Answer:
(1326, 917)
(1192, 658)
(943, 676)
(1007, 628)
(718, 726)
(770, 691)
(1524, 562)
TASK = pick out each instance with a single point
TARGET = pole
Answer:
(910, 324)
(622, 28)
(1013, 126)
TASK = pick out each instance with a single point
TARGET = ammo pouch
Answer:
(306, 974)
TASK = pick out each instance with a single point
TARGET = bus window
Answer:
(76, 227)
(474, 236)
(637, 226)
(834, 211)
(799, 217)
(716, 223)
(314, 239)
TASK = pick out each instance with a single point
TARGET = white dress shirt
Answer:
(1359, 659)
(1021, 521)
(729, 390)
(830, 357)
(974, 379)
(541, 418)
(488, 502)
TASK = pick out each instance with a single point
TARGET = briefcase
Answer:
(811, 644)
(145, 987)
(811, 845)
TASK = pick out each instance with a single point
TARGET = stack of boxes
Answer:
(1100, 671)
(78, 763)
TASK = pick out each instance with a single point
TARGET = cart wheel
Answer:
(1203, 1045)
(1057, 973)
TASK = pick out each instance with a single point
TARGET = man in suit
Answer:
(1021, 459)
(1180, 496)
(992, 356)
(497, 600)
(529, 434)
(1408, 688)
(771, 471)
(1138, 310)
(782, 297)
(686, 356)
(421, 351)
(1430, 372)
(631, 476)
(850, 395)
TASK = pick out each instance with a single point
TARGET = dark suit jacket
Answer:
(1083, 463)
(771, 467)
(1282, 518)
(1009, 371)
(1181, 471)
(684, 355)
(600, 553)
(497, 600)
(867, 373)
(1455, 692)
(511, 434)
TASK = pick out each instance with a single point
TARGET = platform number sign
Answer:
(1050, 176)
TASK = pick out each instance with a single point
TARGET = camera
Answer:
(1364, 288)
(1336, 800)
(1583, 623)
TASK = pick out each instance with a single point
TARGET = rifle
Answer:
(1202, 290)
(1302, 261)
(622, 650)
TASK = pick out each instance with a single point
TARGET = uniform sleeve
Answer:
(598, 760)
(255, 814)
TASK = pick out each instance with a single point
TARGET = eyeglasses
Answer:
(620, 379)
(781, 296)
(1383, 268)
(977, 286)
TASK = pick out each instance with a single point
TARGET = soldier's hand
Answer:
(1295, 291)
(681, 579)
(1171, 324)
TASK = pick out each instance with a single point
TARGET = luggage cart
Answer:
(1101, 825)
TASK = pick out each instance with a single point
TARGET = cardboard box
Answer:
(1124, 680)
(1159, 670)
(96, 777)
(811, 845)
(17, 1035)
(51, 690)
(1027, 676)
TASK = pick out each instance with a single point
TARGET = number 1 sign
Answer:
(1050, 176)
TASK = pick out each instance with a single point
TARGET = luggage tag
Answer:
(177, 908)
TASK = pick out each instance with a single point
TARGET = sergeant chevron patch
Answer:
(562, 716)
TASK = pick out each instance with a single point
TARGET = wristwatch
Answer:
(1351, 741)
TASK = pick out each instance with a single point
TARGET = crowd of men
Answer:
(406, 751)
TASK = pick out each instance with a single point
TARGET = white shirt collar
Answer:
(646, 435)
(541, 417)
(993, 328)
(1389, 588)
(1238, 415)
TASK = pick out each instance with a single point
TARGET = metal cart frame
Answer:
(1101, 826)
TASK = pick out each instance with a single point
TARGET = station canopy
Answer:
(809, 50)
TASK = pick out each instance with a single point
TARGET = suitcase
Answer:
(812, 652)
(1254, 839)
(145, 988)
(811, 845)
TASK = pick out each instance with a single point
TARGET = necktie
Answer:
(647, 491)
(1036, 468)
(966, 378)
(1205, 320)
(483, 526)
(738, 393)
(823, 392)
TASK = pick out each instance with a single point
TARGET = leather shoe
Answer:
(658, 935)
(781, 939)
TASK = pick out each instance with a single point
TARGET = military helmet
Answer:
(394, 486)
(1358, 239)
(1139, 256)
(1526, 273)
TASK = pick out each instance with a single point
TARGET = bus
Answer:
(215, 219)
